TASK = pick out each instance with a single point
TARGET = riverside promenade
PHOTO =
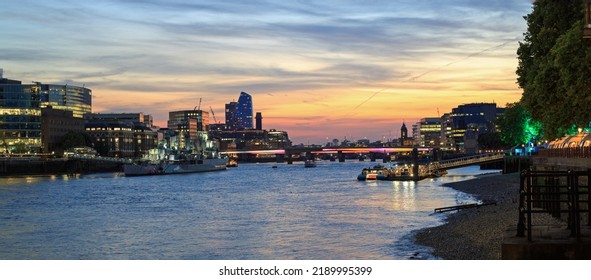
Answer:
(477, 233)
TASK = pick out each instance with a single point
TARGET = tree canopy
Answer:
(554, 68)
(75, 139)
(518, 126)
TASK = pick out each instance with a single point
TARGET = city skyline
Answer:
(316, 70)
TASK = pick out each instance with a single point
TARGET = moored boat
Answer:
(175, 167)
(232, 163)
(401, 173)
(198, 155)
(309, 163)
(373, 173)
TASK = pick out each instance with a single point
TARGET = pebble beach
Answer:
(476, 233)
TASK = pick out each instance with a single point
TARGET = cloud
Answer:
(278, 49)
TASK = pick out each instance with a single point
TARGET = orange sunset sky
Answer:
(317, 69)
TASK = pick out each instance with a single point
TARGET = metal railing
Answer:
(482, 158)
(99, 158)
(573, 152)
(555, 193)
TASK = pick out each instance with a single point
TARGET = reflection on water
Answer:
(250, 212)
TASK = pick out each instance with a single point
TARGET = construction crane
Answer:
(212, 114)
(198, 107)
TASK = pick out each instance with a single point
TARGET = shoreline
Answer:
(476, 233)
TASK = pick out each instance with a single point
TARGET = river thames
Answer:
(251, 212)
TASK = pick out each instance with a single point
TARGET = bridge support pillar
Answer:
(341, 156)
(309, 156)
(415, 164)
(437, 154)
(289, 158)
(280, 158)
(386, 158)
(372, 156)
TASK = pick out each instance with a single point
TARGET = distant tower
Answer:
(259, 121)
(403, 131)
(230, 118)
(243, 114)
(403, 134)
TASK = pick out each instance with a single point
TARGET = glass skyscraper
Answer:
(239, 115)
(20, 111)
(244, 112)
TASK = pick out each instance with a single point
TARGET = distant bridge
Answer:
(313, 150)
(289, 154)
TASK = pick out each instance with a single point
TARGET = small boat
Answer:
(232, 163)
(309, 163)
(378, 172)
(400, 173)
(274, 166)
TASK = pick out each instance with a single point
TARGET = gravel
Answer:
(476, 233)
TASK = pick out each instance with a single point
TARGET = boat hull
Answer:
(166, 168)
(390, 174)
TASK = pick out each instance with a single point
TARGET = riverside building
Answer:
(472, 119)
(427, 132)
(128, 135)
(20, 111)
(190, 125)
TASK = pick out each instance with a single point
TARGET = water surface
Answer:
(249, 212)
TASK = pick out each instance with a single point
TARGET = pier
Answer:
(417, 172)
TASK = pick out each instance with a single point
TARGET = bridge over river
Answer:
(292, 153)
(436, 166)
(295, 153)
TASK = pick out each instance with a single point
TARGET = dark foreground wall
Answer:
(39, 166)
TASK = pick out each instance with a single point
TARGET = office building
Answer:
(136, 118)
(243, 115)
(112, 138)
(230, 120)
(239, 115)
(20, 111)
(427, 132)
(188, 124)
(446, 137)
(55, 124)
(477, 117)
(121, 134)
